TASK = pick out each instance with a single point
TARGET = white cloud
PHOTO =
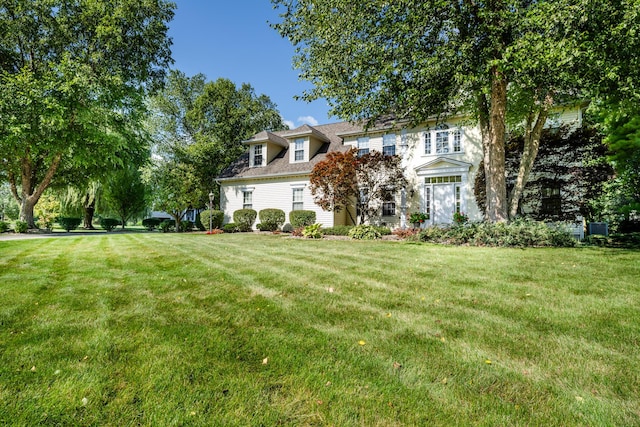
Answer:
(289, 123)
(310, 120)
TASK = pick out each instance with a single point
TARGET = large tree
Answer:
(500, 62)
(203, 124)
(73, 76)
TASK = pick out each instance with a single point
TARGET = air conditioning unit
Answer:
(601, 228)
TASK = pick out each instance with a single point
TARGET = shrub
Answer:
(21, 227)
(518, 233)
(364, 232)
(271, 219)
(297, 232)
(167, 225)
(186, 226)
(151, 223)
(4, 226)
(287, 228)
(109, 223)
(244, 218)
(69, 223)
(302, 218)
(231, 227)
(216, 221)
(312, 231)
(337, 230)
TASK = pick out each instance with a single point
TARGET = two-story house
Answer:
(440, 159)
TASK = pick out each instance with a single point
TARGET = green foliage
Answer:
(186, 226)
(73, 82)
(364, 232)
(521, 232)
(216, 221)
(500, 63)
(271, 219)
(151, 223)
(69, 223)
(313, 231)
(4, 226)
(167, 225)
(125, 194)
(302, 218)
(337, 230)
(230, 227)
(203, 124)
(21, 226)
(109, 224)
(244, 218)
(174, 187)
(418, 217)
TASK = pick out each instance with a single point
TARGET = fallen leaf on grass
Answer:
(488, 362)
(396, 365)
(265, 360)
(361, 342)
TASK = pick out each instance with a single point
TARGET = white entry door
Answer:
(444, 203)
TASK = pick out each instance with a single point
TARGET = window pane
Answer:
(442, 142)
(427, 143)
(457, 141)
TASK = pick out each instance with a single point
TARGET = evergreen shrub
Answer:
(167, 225)
(21, 227)
(217, 218)
(109, 224)
(302, 218)
(151, 223)
(69, 223)
(4, 226)
(244, 218)
(271, 219)
(230, 227)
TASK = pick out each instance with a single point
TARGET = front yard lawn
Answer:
(242, 329)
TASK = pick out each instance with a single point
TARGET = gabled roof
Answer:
(306, 130)
(443, 164)
(266, 136)
(280, 165)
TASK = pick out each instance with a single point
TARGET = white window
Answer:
(442, 139)
(427, 202)
(257, 155)
(299, 150)
(389, 144)
(457, 141)
(427, 143)
(298, 197)
(363, 146)
(247, 200)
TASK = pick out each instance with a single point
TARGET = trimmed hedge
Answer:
(109, 223)
(244, 218)
(151, 223)
(217, 218)
(230, 227)
(167, 225)
(302, 218)
(69, 223)
(271, 219)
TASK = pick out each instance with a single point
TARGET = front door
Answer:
(444, 203)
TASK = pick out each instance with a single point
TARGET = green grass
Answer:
(235, 329)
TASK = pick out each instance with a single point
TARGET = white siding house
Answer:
(440, 160)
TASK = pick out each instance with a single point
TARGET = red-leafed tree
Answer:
(343, 179)
(333, 181)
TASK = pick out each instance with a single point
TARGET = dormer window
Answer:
(257, 155)
(298, 146)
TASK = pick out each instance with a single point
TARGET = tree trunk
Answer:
(532, 136)
(30, 192)
(494, 151)
(89, 211)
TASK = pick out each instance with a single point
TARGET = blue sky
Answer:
(232, 39)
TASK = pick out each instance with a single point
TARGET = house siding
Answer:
(271, 194)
